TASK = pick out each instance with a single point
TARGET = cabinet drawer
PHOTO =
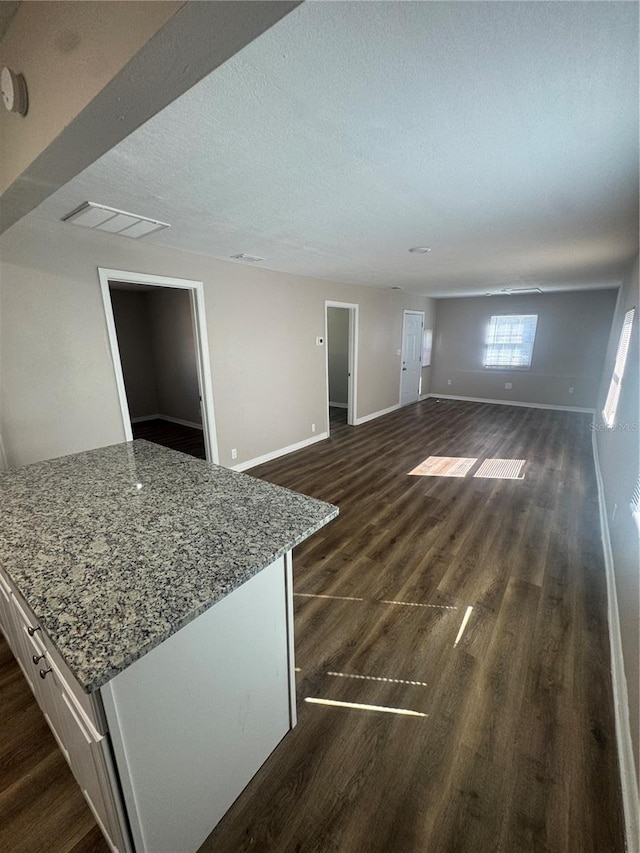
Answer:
(27, 635)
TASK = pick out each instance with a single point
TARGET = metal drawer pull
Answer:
(31, 631)
(43, 672)
(37, 658)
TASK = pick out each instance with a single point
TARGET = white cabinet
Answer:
(73, 717)
(193, 720)
(163, 749)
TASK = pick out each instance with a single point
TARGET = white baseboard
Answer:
(144, 418)
(626, 759)
(338, 405)
(275, 454)
(172, 420)
(374, 415)
(510, 403)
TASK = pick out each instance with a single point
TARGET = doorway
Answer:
(341, 336)
(160, 353)
(411, 372)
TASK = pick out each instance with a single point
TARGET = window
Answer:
(635, 505)
(613, 397)
(427, 341)
(510, 340)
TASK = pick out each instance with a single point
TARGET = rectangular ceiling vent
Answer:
(254, 259)
(92, 215)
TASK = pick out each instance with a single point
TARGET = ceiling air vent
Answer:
(103, 218)
(254, 259)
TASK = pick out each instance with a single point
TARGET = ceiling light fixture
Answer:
(420, 250)
(254, 259)
(521, 290)
(103, 218)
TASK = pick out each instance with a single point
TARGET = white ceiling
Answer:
(504, 135)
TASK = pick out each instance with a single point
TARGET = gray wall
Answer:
(174, 354)
(619, 455)
(338, 354)
(57, 389)
(157, 351)
(571, 340)
(135, 342)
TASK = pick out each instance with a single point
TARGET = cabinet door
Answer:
(88, 759)
(7, 623)
(25, 648)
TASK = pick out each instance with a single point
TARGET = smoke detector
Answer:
(14, 91)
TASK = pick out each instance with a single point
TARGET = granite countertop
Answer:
(116, 549)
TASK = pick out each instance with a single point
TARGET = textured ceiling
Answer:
(8, 9)
(502, 135)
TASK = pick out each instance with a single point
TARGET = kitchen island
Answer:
(147, 597)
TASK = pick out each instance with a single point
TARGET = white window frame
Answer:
(635, 505)
(427, 347)
(615, 386)
(528, 324)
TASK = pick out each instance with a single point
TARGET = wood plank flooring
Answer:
(510, 742)
(176, 436)
(516, 751)
(41, 806)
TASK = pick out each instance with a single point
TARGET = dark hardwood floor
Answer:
(41, 806)
(454, 693)
(516, 750)
(337, 418)
(176, 436)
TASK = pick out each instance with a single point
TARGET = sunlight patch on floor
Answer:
(360, 707)
(415, 604)
(375, 601)
(444, 466)
(465, 619)
(378, 678)
(501, 469)
(332, 597)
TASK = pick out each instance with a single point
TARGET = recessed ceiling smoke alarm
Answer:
(14, 91)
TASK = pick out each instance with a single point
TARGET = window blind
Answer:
(635, 505)
(613, 396)
(510, 340)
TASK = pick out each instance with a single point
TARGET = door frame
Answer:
(203, 361)
(404, 317)
(352, 395)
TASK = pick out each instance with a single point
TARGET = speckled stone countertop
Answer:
(116, 549)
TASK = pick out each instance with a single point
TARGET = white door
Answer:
(412, 325)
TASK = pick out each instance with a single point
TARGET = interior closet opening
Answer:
(158, 342)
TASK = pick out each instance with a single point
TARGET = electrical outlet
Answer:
(571, 389)
(313, 427)
(448, 382)
(508, 385)
(398, 352)
(234, 453)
